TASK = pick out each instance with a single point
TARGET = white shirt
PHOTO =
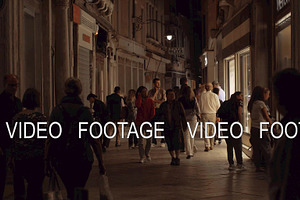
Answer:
(221, 94)
(209, 103)
(257, 114)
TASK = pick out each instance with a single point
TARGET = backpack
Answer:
(69, 146)
(227, 113)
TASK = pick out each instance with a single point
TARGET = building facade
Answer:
(247, 42)
(104, 43)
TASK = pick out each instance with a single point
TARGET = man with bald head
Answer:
(10, 105)
(209, 105)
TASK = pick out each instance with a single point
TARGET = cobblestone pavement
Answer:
(205, 176)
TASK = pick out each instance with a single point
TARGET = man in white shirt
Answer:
(209, 105)
(221, 91)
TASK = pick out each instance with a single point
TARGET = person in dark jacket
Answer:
(100, 115)
(171, 112)
(114, 104)
(10, 105)
(284, 173)
(183, 84)
(230, 112)
(70, 155)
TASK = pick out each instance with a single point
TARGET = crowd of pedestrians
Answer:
(71, 158)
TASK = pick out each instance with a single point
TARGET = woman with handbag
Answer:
(190, 105)
(70, 155)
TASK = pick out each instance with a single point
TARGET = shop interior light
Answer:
(286, 17)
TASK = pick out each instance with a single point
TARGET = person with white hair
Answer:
(221, 95)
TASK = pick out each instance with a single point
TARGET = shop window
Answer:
(246, 87)
(283, 43)
(231, 77)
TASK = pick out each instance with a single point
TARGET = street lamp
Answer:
(169, 37)
(138, 24)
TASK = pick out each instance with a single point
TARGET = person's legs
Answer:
(229, 151)
(205, 132)
(172, 154)
(130, 140)
(148, 147)
(193, 124)
(211, 129)
(118, 136)
(141, 147)
(154, 140)
(237, 144)
(176, 145)
(74, 175)
(35, 176)
(266, 149)
(163, 141)
(187, 143)
(255, 142)
(136, 141)
(18, 178)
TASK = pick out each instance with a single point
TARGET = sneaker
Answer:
(142, 160)
(131, 147)
(148, 158)
(153, 145)
(231, 167)
(177, 161)
(163, 145)
(220, 141)
(188, 157)
(173, 161)
(206, 149)
(211, 148)
(241, 167)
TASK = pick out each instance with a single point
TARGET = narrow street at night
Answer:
(205, 176)
(79, 76)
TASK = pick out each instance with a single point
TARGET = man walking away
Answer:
(114, 105)
(100, 115)
(209, 105)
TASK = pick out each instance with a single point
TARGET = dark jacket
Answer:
(100, 112)
(178, 116)
(71, 106)
(113, 103)
(284, 182)
(9, 108)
